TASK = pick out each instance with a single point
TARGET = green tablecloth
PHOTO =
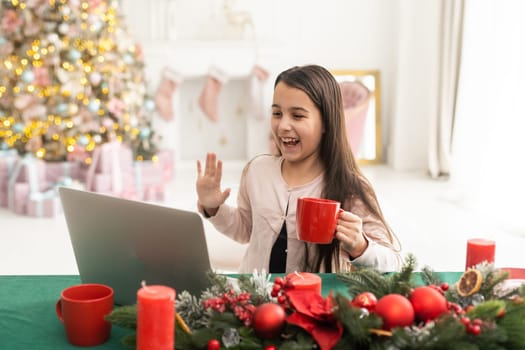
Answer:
(28, 319)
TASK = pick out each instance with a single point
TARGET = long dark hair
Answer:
(343, 180)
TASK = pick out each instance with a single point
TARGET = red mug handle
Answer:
(337, 217)
(58, 309)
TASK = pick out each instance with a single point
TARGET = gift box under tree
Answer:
(111, 171)
(151, 176)
(8, 161)
(28, 178)
(58, 171)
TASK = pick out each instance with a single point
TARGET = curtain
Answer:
(489, 133)
(442, 122)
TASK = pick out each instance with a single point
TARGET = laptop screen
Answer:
(121, 243)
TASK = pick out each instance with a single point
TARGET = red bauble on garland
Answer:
(428, 303)
(214, 344)
(268, 320)
(365, 300)
(395, 310)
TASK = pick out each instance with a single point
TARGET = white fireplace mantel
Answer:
(194, 58)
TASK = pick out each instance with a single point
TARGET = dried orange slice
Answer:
(469, 283)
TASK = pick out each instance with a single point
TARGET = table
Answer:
(28, 319)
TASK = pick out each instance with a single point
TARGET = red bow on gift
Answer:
(315, 315)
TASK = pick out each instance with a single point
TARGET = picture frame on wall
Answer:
(360, 90)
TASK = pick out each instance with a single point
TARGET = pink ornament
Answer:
(139, 53)
(95, 78)
(10, 21)
(116, 106)
(41, 76)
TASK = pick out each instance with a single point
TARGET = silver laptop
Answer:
(120, 243)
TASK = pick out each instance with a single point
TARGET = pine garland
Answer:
(369, 280)
(125, 317)
(491, 318)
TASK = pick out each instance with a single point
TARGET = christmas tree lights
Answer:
(71, 78)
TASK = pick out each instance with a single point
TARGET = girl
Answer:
(315, 160)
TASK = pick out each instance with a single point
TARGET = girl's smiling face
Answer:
(297, 125)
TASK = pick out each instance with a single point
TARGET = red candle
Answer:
(303, 281)
(155, 318)
(479, 250)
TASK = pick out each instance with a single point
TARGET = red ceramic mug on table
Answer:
(82, 309)
(317, 219)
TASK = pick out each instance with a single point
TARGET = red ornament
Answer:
(214, 344)
(395, 310)
(428, 303)
(271, 347)
(268, 320)
(365, 300)
(474, 329)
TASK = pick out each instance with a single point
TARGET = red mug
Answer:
(81, 309)
(317, 219)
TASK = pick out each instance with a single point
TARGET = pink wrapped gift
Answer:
(155, 193)
(132, 195)
(102, 183)
(57, 171)
(147, 173)
(115, 161)
(113, 154)
(28, 170)
(8, 161)
(3, 199)
(166, 159)
(44, 204)
(4, 182)
(18, 198)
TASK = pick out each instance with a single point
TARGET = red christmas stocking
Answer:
(164, 95)
(257, 81)
(208, 100)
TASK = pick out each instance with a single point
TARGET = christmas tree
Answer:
(71, 79)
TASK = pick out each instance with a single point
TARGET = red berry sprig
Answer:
(442, 288)
(456, 308)
(279, 291)
(472, 326)
(239, 304)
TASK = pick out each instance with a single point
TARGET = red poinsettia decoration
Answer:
(315, 315)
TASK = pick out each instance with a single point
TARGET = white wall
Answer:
(414, 84)
(397, 37)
